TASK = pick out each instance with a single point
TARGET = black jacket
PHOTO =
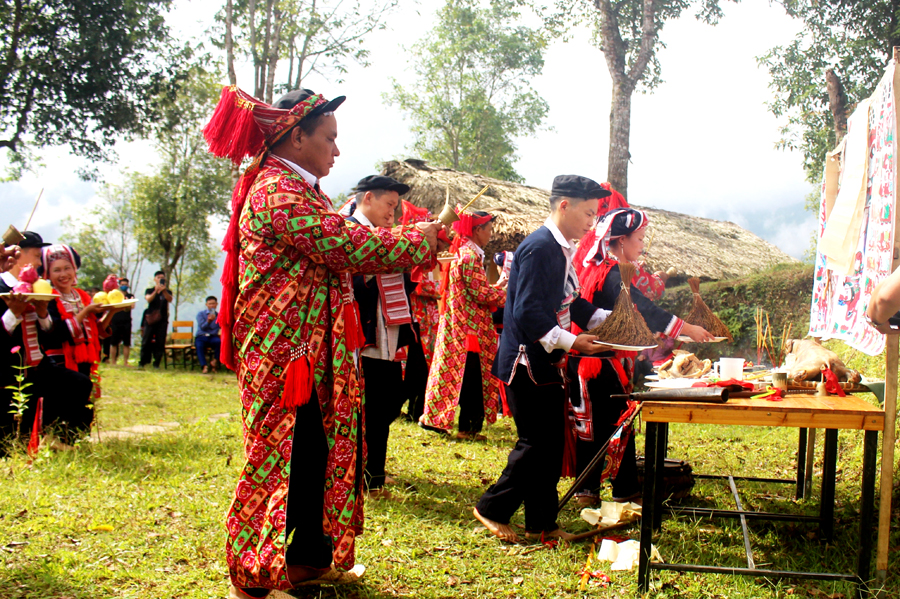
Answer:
(367, 297)
(534, 296)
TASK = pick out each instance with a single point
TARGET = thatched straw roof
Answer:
(699, 247)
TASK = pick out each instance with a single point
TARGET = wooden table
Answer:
(800, 411)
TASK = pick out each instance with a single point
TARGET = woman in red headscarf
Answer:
(78, 326)
(618, 236)
(466, 339)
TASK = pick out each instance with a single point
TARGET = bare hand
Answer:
(662, 275)
(16, 304)
(586, 345)
(430, 231)
(696, 333)
(40, 306)
(93, 308)
(210, 317)
(8, 257)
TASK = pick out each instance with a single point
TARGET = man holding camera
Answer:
(155, 321)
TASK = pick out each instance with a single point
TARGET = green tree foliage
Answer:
(314, 36)
(628, 33)
(78, 73)
(855, 41)
(473, 97)
(105, 238)
(173, 207)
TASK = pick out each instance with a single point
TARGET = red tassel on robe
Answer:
(298, 385)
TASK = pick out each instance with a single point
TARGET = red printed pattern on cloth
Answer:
(425, 310)
(293, 265)
(469, 303)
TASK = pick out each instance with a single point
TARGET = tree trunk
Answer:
(837, 103)
(619, 139)
(274, 48)
(229, 42)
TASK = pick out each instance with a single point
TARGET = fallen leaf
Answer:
(518, 580)
(478, 529)
(452, 581)
(101, 528)
(22, 514)
(387, 542)
(16, 544)
(459, 456)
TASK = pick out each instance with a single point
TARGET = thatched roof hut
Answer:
(700, 247)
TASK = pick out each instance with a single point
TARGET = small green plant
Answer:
(20, 396)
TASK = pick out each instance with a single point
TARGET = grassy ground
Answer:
(142, 516)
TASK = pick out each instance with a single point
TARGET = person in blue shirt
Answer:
(207, 335)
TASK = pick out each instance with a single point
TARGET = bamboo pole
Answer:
(892, 351)
(41, 193)
(472, 201)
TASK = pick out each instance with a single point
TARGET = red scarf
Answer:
(85, 346)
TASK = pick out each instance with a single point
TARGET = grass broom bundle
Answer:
(702, 316)
(625, 325)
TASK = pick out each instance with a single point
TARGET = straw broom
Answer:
(625, 325)
(700, 314)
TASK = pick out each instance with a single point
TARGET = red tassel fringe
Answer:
(298, 384)
(232, 131)
(34, 443)
(353, 333)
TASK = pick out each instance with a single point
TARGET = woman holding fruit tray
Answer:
(74, 341)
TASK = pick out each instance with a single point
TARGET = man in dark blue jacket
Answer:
(541, 304)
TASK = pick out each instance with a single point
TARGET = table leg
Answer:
(801, 464)
(867, 506)
(829, 475)
(662, 449)
(810, 460)
(650, 467)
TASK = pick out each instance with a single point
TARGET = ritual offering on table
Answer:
(684, 365)
(625, 325)
(701, 316)
(806, 359)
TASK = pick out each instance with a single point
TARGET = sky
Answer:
(702, 144)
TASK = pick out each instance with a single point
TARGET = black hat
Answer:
(32, 240)
(575, 186)
(381, 182)
(292, 98)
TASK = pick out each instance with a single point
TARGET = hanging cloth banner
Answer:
(845, 219)
(840, 300)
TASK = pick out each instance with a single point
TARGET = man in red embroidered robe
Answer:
(290, 331)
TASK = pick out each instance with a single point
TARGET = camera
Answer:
(162, 281)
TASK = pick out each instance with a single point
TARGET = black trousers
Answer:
(605, 413)
(153, 343)
(534, 465)
(471, 396)
(384, 397)
(67, 395)
(415, 380)
(309, 546)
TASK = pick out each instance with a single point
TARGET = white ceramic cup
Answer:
(730, 368)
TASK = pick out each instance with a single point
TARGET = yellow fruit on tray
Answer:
(115, 297)
(42, 286)
(100, 298)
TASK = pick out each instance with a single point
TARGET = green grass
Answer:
(164, 496)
